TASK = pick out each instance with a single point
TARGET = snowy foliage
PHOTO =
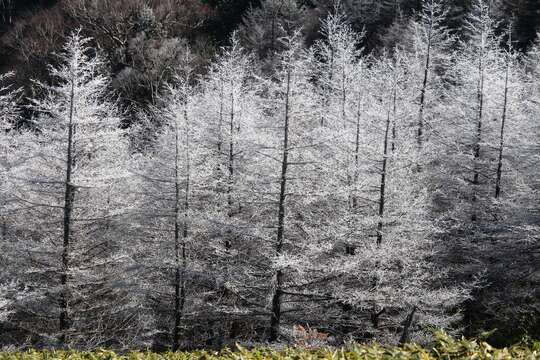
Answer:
(368, 196)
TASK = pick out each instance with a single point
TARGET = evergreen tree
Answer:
(284, 184)
(264, 26)
(166, 218)
(75, 262)
(10, 159)
(231, 108)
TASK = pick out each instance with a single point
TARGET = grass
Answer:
(444, 347)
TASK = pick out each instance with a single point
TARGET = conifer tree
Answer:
(284, 184)
(231, 108)
(431, 41)
(70, 186)
(10, 159)
(264, 26)
(9, 117)
(395, 236)
(9, 111)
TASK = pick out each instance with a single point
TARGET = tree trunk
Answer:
(220, 121)
(375, 317)
(350, 249)
(357, 153)
(4, 227)
(278, 291)
(231, 155)
(383, 182)
(420, 131)
(501, 142)
(330, 79)
(230, 211)
(68, 209)
(405, 335)
(394, 112)
(180, 245)
(177, 280)
(478, 136)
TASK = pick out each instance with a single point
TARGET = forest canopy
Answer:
(184, 174)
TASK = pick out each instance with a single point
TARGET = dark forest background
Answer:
(139, 44)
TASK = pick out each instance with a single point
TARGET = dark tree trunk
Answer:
(4, 229)
(350, 249)
(231, 155)
(220, 121)
(4, 223)
(180, 245)
(383, 182)
(177, 277)
(375, 317)
(357, 155)
(278, 291)
(501, 140)
(330, 79)
(478, 135)
(230, 189)
(394, 112)
(420, 131)
(405, 335)
(68, 209)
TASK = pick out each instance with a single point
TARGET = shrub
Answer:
(444, 347)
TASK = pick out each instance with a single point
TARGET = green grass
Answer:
(443, 348)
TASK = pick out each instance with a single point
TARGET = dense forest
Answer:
(185, 174)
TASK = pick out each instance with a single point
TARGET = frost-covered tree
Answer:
(10, 159)
(460, 175)
(231, 107)
(264, 26)
(479, 102)
(337, 56)
(341, 93)
(508, 226)
(431, 41)
(11, 292)
(168, 221)
(482, 49)
(467, 110)
(370, 196)
(70, 188)
(285, 186)
(479, 176)
(5, 303)
(400, 295)
(8, 101)
(533, 56)
(9, 116)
